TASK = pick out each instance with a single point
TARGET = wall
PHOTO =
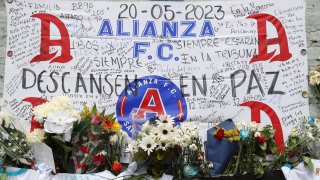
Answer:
(313, 37)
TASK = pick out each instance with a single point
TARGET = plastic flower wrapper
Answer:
(302, 145)
(137, 124)
(97, 142)
(220, 149)
(14, 148)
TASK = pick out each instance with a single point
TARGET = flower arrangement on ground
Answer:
(169, 149)
(14, 149)
(98, 142)
(302, 145)
(256, 147)
(89, 141)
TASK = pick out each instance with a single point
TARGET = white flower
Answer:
(60, 103)
(210, 165)
(59, 122)
(147, 144)
(310, 136)
(4, 135)
(165, 119)
(187, 139)
(314, 77)
(179, 141)
(257, 134)
(194, 133)
(132, 147)
(5, 118)
(163, 145)
(2, 152)
(253, 126)
(114, 139)
(146, 127)
(193, 147)
(165, 131)
(104, 153)
(36, 136)
(313, 72)
(185, 127)
(294, 132)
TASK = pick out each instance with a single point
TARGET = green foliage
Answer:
(251, 156)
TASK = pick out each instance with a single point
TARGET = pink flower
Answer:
(96, 119)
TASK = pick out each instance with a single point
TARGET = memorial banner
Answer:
(203, 62)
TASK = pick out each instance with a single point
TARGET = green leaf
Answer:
(103, 113)
(263, 146)
(160, 155)
(273, 148)
(140, 155)
(308, 162)
(94, 110)
(80, 128)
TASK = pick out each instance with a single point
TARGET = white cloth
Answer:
(42, 174)
(302, 173)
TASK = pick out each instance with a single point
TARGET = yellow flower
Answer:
(232, 135)
(116, 127)
(85, 113)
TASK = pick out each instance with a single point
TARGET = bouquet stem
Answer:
(238, 159)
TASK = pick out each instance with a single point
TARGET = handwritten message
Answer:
(202, 61)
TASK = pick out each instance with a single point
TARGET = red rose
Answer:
(78, 166)
(83, 166)
(261, 139)
(98, 159)
(116, 167)
(84, 149)
(92, 134)
(220, 134)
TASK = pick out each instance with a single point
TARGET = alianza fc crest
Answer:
(148, 97)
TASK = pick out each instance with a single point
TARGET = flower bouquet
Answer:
(168, 149)
(14, 150)
(98, 142)
(86, 142)
(256, 149)
(221, 143)
(301, 146)
(55, 121)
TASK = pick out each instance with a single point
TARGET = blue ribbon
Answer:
(14, 173)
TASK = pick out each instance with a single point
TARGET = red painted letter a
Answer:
(263, 42)
(46, 42)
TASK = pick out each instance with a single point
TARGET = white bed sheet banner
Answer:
(202, 62)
